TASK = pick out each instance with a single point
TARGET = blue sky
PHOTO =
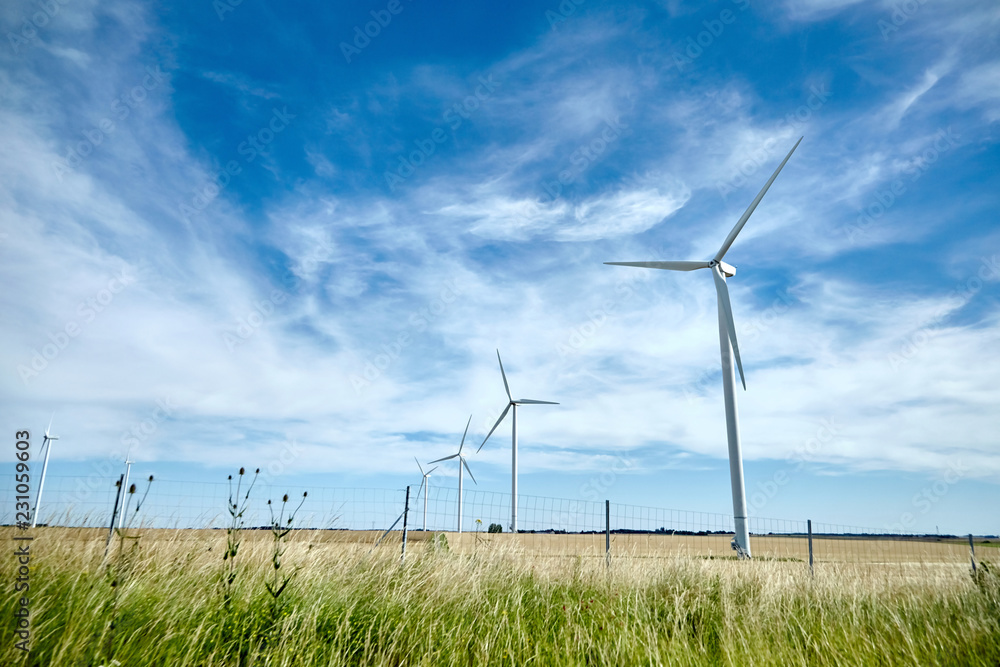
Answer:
(225, 228)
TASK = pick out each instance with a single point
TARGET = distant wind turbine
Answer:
(513, 439)
(461, 463)
(47, 444)
(729, 348)
(425, 484)
(124, 489)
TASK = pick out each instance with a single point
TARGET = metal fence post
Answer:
(972, 554)
(406, 511)
(607, 533)
(809, 527)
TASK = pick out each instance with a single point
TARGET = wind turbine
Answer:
(128, 470)
(425, 484)
(513, 439)
(47, 444)
(461, 462)
(729, 348)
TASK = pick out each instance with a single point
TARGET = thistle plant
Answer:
(281, 526)
(138, 505)
(120, 562)
(234, 532)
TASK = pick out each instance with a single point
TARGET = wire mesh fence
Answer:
(547, 527)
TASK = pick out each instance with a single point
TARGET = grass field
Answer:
(486, 603)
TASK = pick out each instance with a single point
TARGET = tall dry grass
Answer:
(349, 606)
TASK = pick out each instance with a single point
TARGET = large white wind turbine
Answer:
(729, 348)
(47, 444)
(425, 484)
(513, 440)
(461, 463)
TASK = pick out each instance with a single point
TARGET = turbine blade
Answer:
(750, 209)
(504, 375)
(421, 488)
(502, 415)
(419, 466)
(428, 473)
(468, 470)
(723, 291)
(447, 458)
(49, 427)
(669, 266)
(531, 401)
(465, 434)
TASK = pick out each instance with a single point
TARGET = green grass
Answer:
(348, 607)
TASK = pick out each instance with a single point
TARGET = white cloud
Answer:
(894, 112)
(610, 215)
(625, 212)
(978, 88)
(816, 10)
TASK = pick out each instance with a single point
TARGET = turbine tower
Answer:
(513, 440)
(729, 348)
(47, 444)
(425, 485)
(461, 463)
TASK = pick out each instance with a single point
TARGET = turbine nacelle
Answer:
(728, 270)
